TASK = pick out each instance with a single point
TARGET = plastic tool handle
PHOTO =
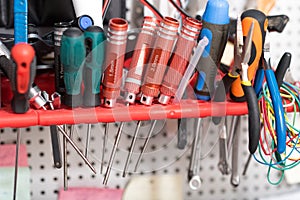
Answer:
(72, 54)
(159, 58)
(277, 23)
(22, 75)
(278, 110)
(114, 60)
(215, 28)
(55, 146)
(283, 65)
(180, 58)
(20, 21)
(253, 116)
(140, 58)
(92, 71)
(259, 32)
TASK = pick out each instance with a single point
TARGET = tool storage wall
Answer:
(162, 155)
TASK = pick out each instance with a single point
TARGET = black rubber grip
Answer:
(55, 147)
(283, 65)
(182, 133)
(253, 118)
(221, 90)
(277, 23)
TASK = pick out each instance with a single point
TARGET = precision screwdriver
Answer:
(92, 71)
(139, 61)
(164, 43)
(112, 80)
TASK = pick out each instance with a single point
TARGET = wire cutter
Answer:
(267, 72)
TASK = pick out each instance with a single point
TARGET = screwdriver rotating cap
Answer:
(216, 12)
(115, 53)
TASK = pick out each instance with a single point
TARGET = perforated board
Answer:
(162, 156)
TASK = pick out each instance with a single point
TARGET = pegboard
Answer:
(162, 156)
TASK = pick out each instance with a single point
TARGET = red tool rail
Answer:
(185, 109)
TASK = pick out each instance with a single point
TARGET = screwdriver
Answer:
(21, 77)
(112, 80)
(179, 93)
(139, 60)
(215, 27)
(164, 43)
(92, 71)
(72, 55)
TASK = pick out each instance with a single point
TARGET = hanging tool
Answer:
(235, 178)
(178, 64)
(92, 71)
(65, 165)
(194, 168)
(223, 164)
(21, 76)
(179, 93)
(275, 96)
(260, 27)
(215, 28)
(113, 68)
(159, 58)
(139, 60)
(265, 5)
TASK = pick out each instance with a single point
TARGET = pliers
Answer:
(242, 54)
(266, 71)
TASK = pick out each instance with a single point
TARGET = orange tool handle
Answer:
(259, 32)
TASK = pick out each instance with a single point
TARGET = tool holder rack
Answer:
(186, 108)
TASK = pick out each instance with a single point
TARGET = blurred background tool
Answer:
(215, 27)
(113, 68)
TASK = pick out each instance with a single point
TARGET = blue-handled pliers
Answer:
(267, 72)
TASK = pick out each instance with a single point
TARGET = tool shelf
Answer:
(186, 108)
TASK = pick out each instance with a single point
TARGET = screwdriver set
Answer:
(175, 71)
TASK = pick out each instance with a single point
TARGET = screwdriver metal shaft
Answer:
(113, 153)
(87, 144)
(145, 144)
(65, 165)
(76, 149)
(17, 163)
(132, 147)
(104, 147)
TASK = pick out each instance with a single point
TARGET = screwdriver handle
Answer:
(180, 58)
(140, 58)
(215, 28)
(260, 27)
(92, 71)
(72, 58)
(164, 43)
(22, 75)
(114, 60)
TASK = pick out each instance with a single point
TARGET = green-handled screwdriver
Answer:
(92, 71)
(72, 55)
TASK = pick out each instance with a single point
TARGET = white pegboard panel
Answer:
(161, 157)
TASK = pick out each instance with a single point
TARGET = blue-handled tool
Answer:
(215, 27)
(20, 21)
(276, 98)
